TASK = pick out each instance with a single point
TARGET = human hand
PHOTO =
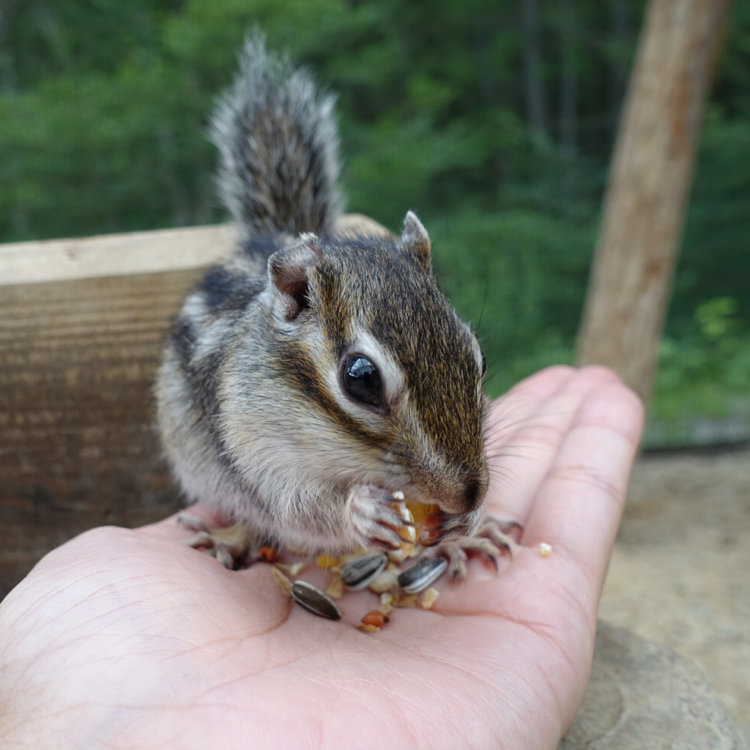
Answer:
(129, 639)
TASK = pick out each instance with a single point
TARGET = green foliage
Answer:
(704, 375)
(431, 106)
(104, 105)
(496, 269)
(715, 340)
(715, 260)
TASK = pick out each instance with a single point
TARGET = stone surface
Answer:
(679, 572)
(642, 695)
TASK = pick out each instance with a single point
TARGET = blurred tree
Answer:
(534, 89)
(650, 181)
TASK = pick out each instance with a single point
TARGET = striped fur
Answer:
(252, 412)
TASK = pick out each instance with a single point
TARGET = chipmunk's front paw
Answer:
(492, 538)
(233, 546)
(374, 520)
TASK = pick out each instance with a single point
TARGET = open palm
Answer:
(128, 639)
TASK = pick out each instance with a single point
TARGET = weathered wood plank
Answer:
(114, 254)
(81, 328)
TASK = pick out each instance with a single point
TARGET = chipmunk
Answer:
(316, 373)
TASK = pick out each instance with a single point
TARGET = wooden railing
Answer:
(81, 328)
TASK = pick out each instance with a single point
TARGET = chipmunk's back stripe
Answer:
(227, 292)
(200, 374)
(183, 340)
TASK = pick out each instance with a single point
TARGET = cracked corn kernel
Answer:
(368, 628)
(335, 588)
(376, 618)
(268, 554)
(429, 597)
(326, 561)
(420, 512)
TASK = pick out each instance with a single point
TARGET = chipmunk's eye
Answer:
(483, 369)
(361, 380)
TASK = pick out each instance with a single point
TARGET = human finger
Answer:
(578, 506)
(527, 428)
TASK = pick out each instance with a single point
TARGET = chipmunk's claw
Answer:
(491, 540)
(504, 533)
(375, 521)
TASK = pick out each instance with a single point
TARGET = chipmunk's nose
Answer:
(474, 489)
(473, 493)
(466, 494)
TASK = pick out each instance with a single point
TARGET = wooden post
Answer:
(649, 185)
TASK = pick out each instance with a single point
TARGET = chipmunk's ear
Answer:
(416, 241)
(288, 275)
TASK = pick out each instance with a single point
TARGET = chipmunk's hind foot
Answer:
(493, 538)
(233, 546)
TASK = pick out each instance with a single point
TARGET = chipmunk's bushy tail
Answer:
(278, 143)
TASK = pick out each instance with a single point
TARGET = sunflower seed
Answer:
(420, 575)
(314, 600)
(359, 572)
